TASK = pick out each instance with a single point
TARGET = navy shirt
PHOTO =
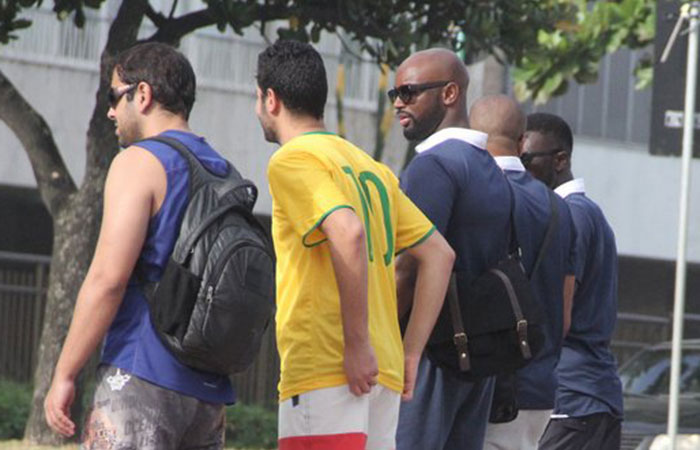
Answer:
(587, 370)
(132, 343)
(459, 187)
(537, 382)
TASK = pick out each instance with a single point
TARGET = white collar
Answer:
(511, 163)
(473, 137)
(574, 186)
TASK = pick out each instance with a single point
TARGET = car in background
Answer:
(645, 385)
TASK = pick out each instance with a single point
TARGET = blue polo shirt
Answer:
(587, 370)
(462, 191)
(132, 343)
(537, 382)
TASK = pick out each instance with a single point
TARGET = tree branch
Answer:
(173, 30)
(157, 18)
(53, 179)
(101, 141)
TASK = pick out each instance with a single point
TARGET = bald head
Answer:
(501, 118)
(431, 93)
(436, 64)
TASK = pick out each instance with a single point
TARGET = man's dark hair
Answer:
(553, 125)
(166, 70)
(295, 72)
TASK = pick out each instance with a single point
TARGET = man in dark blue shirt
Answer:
(552, 281)
(588, 407)
(459, 187)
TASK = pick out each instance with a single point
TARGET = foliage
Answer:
(572, 50)
(15, 401)
(551, 41)
(251, 426)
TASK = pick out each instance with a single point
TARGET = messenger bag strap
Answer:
(513, 244)
(553, 223)
(520, 321)
(460, 337)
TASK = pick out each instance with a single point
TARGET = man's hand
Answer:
(410, 373)
(361, 368)
(57, 406)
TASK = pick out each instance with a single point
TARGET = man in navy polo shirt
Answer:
(457, 184)
(588, 408)
(552, 281)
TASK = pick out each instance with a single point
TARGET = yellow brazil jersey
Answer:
(311, 176)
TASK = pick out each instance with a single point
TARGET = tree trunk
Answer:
(75, 233)
(76, 224)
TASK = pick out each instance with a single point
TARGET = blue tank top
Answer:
(132, 344)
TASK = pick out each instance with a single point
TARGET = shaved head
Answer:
(434, 94)
(501, 118)
(433, 65)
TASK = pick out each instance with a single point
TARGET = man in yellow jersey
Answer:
(338, 221)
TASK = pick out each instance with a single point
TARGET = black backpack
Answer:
(217, 294)
(496, 320)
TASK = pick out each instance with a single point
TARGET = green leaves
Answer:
(551, 42)
(9, 20)
(573, 50)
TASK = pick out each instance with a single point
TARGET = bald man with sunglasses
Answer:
(459, 187)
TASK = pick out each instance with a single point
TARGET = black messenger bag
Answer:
(496, 320)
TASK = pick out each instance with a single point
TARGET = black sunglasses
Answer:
(116, 93)
(406, 92)
(526, 158)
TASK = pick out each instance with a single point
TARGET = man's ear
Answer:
(272, 102)
(450, 93)
(521, 144)
(562, 161)
(143, 96)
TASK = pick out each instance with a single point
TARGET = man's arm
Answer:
(406, 268)
(346, 240)
(569, 287)
(129, 201)
(434, 259)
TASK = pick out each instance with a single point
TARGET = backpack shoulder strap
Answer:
(553, 223)
(198, 172)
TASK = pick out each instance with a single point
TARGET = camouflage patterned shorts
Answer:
(129, 413)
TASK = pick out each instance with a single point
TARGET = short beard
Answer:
(427, 125)
(270, 134)
(127, 137)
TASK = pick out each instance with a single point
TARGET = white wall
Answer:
(639, 194)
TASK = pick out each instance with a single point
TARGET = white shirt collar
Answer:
(473, 137)
(574, 186)
(512, 163)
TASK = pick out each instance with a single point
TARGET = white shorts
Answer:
(335, 419)
(523, 433)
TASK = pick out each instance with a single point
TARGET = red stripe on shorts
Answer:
(344, 441)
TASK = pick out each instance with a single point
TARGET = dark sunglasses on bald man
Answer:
(116, 93)
(407, 92)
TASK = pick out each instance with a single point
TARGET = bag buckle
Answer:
(521, 329)
(460, 341)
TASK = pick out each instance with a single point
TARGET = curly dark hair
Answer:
(553, 125)
(165, 69)
(295, 72)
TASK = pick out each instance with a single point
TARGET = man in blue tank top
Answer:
(145, 398)
(552, 282)
(588, 407)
